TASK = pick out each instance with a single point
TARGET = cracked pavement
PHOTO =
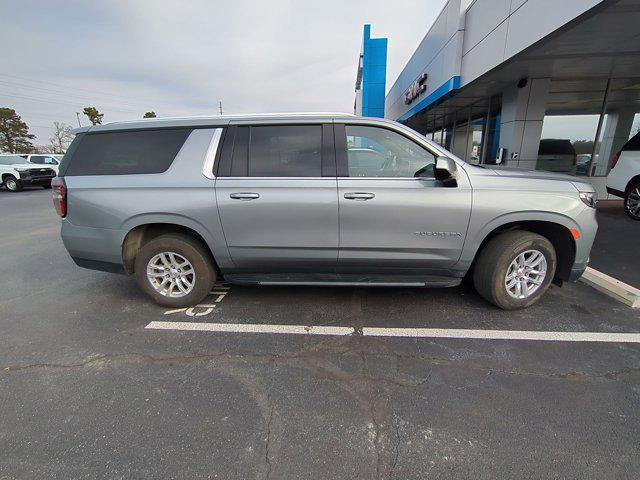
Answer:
(88, 393)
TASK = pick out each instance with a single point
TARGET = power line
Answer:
(75, 105)
(83, 99)
(77, 89)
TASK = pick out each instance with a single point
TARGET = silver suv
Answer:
(313, 199)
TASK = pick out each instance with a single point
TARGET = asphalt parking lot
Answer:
(89, 392)
(616, 233)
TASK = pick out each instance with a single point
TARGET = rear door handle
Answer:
(244, 196)
(359, 196)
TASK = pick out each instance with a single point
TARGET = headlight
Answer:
(590, 199)
(22, 170)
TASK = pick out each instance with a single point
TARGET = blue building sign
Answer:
(372, 74)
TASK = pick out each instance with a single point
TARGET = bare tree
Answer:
(62, 137)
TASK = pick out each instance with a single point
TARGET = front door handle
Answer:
(244, 196)
(359, 196)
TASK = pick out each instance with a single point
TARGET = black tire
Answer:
(47, 186)
(494, 260)
(12, 183)
(190, 249)
(632, 194)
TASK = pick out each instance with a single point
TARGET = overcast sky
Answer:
(180, 58)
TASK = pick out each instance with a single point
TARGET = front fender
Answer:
(476, 236)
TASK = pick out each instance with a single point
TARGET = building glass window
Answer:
(621, 122)
(570, 125)
(460, 139)
(566, 143)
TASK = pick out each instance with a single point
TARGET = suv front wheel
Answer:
(514, 269)
(175, 270)
(632, 201)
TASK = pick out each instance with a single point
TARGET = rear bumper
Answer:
(93, 248)
(97, 265)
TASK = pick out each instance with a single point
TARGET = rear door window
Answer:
(285, 151)
(633, 144)
(125, 153)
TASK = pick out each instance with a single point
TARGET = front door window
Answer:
(378, 152)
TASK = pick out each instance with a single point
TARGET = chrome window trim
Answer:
(210, 156)
(411, 179)
(276, 178)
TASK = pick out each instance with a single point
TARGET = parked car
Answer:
(281, 200)
(16, 173)
(49, 159)
(557, 155)
(624, 178)
(582, 164)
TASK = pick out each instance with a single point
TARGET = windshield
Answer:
(11, 160)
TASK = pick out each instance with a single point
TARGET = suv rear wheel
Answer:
(12, 183)
(632, 201)
(175, 270)
(514, 269)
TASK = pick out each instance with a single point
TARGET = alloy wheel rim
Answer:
(526, 273)
(171, 275)
(633, 202)
(11, 184)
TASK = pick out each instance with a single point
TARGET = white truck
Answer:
(16, 172)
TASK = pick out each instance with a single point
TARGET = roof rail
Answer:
(240, 115)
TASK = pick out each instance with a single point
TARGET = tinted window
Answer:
(240, 151)
(555, 147)
(378, 152)
(43, 160)
(122, 153)
(285, 151)
(634, 143)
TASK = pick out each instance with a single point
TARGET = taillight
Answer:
(59, 190)
(575, 160)
(615, 159)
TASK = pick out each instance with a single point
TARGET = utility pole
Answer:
(78, 117)
(220, 103)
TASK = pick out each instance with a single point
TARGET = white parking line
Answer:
(251, 328)
(601, 337)
(503, 335)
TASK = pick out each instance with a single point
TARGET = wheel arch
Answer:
(559, 234)
(631, 182)
(5, 175)
(139, 233)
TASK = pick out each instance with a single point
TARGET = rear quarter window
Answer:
(633, 144)
(126, 153)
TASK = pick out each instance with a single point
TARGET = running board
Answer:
(314, 280)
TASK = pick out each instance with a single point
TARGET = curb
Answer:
(611, 287)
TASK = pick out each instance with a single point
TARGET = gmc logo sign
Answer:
(416, 88)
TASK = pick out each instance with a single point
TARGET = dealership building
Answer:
(540, 84)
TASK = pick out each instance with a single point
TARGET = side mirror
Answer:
(446, 171)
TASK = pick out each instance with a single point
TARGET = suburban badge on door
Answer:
(438, 234)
